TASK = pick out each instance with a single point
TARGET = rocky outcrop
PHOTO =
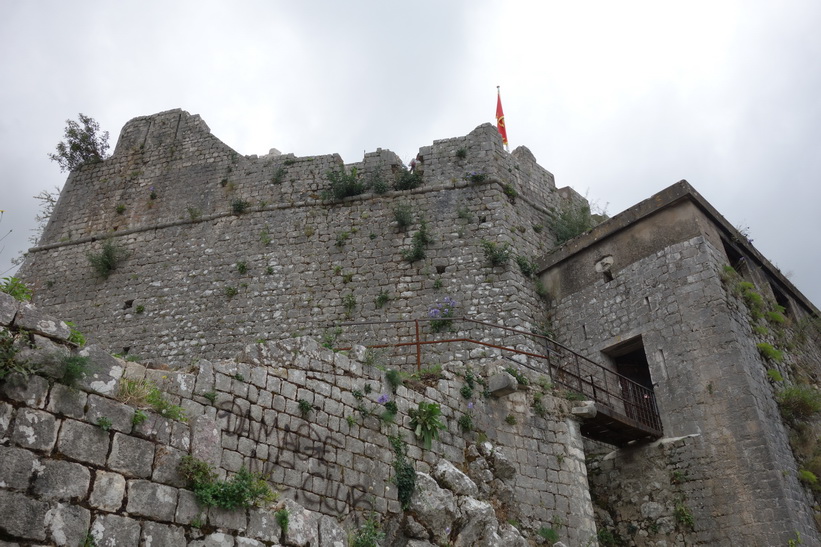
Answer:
(447, 509)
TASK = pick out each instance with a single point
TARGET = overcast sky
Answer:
(617, 99)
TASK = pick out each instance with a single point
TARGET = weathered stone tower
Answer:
(657, 293)
(217, 251)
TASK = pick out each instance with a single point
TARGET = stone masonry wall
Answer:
(200, 279)
(63, 476)
(710, 381)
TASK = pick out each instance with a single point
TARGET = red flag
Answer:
(500, 117)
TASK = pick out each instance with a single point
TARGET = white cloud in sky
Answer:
(617, 99)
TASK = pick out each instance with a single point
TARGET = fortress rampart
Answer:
(207, 280)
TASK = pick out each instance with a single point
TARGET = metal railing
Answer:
(577, 375)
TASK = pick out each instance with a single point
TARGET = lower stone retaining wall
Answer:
(63, 476)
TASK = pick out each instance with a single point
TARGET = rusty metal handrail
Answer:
(580, 375)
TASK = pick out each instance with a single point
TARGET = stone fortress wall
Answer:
(63, 476)
(166, 196)
(203, 280)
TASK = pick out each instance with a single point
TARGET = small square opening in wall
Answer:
(735, 258)
(780, 298)
(128, 304)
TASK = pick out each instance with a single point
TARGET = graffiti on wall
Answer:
(305, 449)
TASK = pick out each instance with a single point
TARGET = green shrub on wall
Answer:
(244, 489)
(570, 221)
(9, 362)
(496, 254)
(426, 422)
(108, 259)
(16, 288)
(405, 180)
(799, 402)
(343, 185)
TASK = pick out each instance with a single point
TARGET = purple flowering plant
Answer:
(390, 407)
(441, 314)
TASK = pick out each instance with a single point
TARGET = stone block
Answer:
(303, 526)
(246, 446)
(263, 525)
(156, 534)
(67, 401)
(265, 399)
(151, 500)
(509, 536)
(115, 531)
(180, 435)
(217, 539)
(479, 523)
(134, 371)
(248, 542)
(222, 382)
(502, 384)
(188, 509)
(30, 391)
(205, 440)
(67, 524)
(8, 309)
(584, 409)
(331, 532)
(503, 468)
(155, 428)
(454, 480)
(259, 376)
(103, 407)
(33, 320)
(22, 516)
(183, 384)
(232, 519)
(232, 461)
(6, 414)
(435, 508)
(35, 429)
(239, 388)
(108, 491)
(204, 378)
(16, 467)
(131, 456)
(61, 480)
(104, 372)
(166, 461)
(47, 354)
(192, 408)
(83, 442)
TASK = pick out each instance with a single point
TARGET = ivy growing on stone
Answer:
(404, 474)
